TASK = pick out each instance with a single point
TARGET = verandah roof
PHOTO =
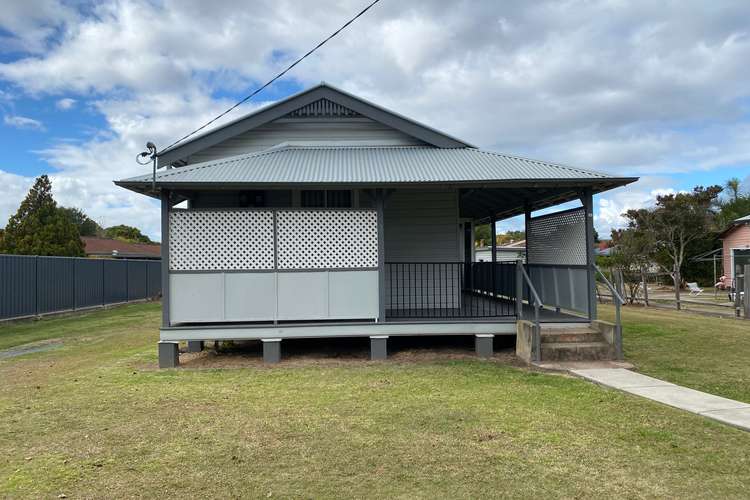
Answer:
(491, 183)
(375, 165)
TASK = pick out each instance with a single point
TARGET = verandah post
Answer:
(588, 205)
(380, 208)
(165, 209)
(493, 233)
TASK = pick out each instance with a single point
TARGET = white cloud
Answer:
(23, 122)
(625, 87)
(65, 104)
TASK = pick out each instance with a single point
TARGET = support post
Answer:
(588, 204)
(526, 229)
(378, 347)
(519, 289)
(380, 208)
(493, 233)
(195, 346)
(169, 355)
(271, 350)
(483, 345)
(166, 207)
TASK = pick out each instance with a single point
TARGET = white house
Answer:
(324, 215)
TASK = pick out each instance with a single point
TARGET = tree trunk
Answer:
(645, 287)
(677, 280)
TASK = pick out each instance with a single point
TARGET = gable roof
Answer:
(322, 98)
(734, 225)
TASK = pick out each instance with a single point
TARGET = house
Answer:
(736, 245)
(325, 215)
(118, 249)
(512, 251)
(603, 248)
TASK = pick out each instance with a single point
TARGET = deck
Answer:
(481, 308)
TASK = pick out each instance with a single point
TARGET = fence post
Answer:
(127, 280)
(36, 285)
(746, 289)
(75, 285)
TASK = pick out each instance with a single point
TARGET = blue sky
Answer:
(657, 91)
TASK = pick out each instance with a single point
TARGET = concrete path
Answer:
(724, 410)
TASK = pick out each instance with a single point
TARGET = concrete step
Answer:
(576, 351)
(571, 335)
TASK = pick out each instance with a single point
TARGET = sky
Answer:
(658, 90)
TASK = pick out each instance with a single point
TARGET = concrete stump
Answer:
(169, 355)
(483, 345)
(378, 347)
(271, 350)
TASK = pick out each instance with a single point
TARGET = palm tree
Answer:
(733, 185)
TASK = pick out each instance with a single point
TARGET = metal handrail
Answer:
(536, 336)
(619, 301)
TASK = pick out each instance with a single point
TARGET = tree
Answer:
(126, 233)
(677, 221)
(39, 227)
(733, 186)
(86, 225)
(631, 256)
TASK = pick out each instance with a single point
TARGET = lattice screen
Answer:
(327, 239)
(558, 238)
(220, 240)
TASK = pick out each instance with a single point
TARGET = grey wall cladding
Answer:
(32, 285)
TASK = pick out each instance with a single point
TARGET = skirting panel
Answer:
(270, 296)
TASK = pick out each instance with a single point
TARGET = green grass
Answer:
(705, 353)
(95, 419)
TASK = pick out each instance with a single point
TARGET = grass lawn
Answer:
(93, 418)
(705, 353)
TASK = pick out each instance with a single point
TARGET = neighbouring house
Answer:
(736, 245)
(511, 251)
(603, 248)
(325, 215)
(118, 249)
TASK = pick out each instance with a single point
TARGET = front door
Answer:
(740, 258)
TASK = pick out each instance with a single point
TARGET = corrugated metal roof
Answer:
(368, 165)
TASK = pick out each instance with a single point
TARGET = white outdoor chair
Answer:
(694, 289)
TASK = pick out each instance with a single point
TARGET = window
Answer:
(252, 199)
(339, 199)
(312, 199)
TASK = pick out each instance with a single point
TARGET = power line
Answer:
(269, 82)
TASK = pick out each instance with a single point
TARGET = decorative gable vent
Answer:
(323, 108)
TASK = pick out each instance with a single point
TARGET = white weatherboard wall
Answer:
(262, 265)
(421, 226)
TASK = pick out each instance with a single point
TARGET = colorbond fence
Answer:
(31, 285)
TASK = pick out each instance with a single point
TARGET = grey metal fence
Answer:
(31, 285)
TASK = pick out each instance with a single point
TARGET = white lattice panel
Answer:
(558, 238)
(327, 239)
(220, 240)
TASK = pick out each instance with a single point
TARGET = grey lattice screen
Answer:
(214, 240)
(558, 238)
(327, 239)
